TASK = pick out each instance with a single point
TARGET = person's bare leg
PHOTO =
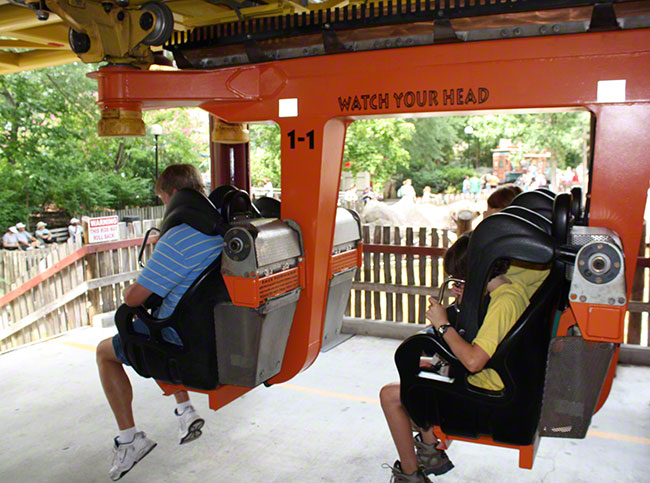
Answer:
(116, 384)
(181, 397)
(428, 437)
(399, 424)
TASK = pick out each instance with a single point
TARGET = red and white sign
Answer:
(103, 229)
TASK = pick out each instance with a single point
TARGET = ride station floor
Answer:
(325, 425)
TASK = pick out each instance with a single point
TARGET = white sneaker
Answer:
(190, 424)
(126, 455)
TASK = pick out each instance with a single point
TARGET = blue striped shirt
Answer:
(181, 255)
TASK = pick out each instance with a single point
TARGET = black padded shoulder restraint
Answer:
(191, 207)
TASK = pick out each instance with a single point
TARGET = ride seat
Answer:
(194, 364)
(509, 416)
(268, 207)
(537, 201)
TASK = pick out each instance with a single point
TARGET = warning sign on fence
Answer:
(103, 229)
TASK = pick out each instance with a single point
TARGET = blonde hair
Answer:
(179, 176)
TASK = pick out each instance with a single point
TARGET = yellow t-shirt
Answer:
(507, 303)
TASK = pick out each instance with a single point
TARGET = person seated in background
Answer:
(500, 198)
(25, 238)
(43, 234)
(75, 230)
(9, 240)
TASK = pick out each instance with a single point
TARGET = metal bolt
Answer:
(611, 301)
(504, 33)
(543, 29)
(556, 29)
(621, 300)
(583, 298)
(517, 32)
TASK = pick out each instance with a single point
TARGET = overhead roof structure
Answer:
(209, 34)
(28, 43)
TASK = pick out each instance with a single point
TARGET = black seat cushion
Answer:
(195, 363)
(268, 207)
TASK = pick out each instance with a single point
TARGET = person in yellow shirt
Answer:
(509, 297)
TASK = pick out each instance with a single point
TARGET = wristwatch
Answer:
(442, 330)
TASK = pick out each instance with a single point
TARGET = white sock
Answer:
(181, 407)
(127, 435)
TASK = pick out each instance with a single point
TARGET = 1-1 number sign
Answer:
(293, 139)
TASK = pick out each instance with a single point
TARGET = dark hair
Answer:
(503, 196)
(179, 176)
(455, 260)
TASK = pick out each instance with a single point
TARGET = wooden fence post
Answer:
(92, 272)
(376, 259)
(410, 276)
(388, 275)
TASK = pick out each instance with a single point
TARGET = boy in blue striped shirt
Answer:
(181, 255)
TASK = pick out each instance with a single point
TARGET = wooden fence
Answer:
(401, 268)
(79, 282)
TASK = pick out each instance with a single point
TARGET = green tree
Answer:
(377, 146)
(51, 156)
(265, 154)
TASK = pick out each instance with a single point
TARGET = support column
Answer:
(312, 151)
(229, 164)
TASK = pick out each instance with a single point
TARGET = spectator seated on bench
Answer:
(42, 234)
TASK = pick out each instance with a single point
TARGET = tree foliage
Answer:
(377, 146)
(51, 156)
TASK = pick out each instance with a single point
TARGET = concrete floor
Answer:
(324, 426)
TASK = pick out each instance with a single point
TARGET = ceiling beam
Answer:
(18, 18)
(8, 59)
(55, 35)
(38, 60)
(20, 44)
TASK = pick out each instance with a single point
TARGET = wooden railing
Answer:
(82, 281)
(401, 269)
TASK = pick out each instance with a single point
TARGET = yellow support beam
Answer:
(8, 59)
(38, 60)
(20, 44)
(19, 18)
(55, 35)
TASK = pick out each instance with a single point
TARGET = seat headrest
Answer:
(237, 203)
(537, 201)
(191, 207)
(501, 235)
(530, 215)
(268, 207)
(219, 193)
(561, 218)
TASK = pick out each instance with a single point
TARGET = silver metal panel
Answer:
(275, 243)
(599, 272)
(575, 373)
(347, 229)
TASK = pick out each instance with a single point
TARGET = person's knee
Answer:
(105, 351)
(389, 395)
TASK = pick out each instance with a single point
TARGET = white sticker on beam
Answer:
(611, 91)
(288, 107)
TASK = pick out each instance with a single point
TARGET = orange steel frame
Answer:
(558, 72)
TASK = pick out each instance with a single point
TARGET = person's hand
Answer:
(436, 313)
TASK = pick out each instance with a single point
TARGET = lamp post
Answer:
(469, 130)
(156, 130)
